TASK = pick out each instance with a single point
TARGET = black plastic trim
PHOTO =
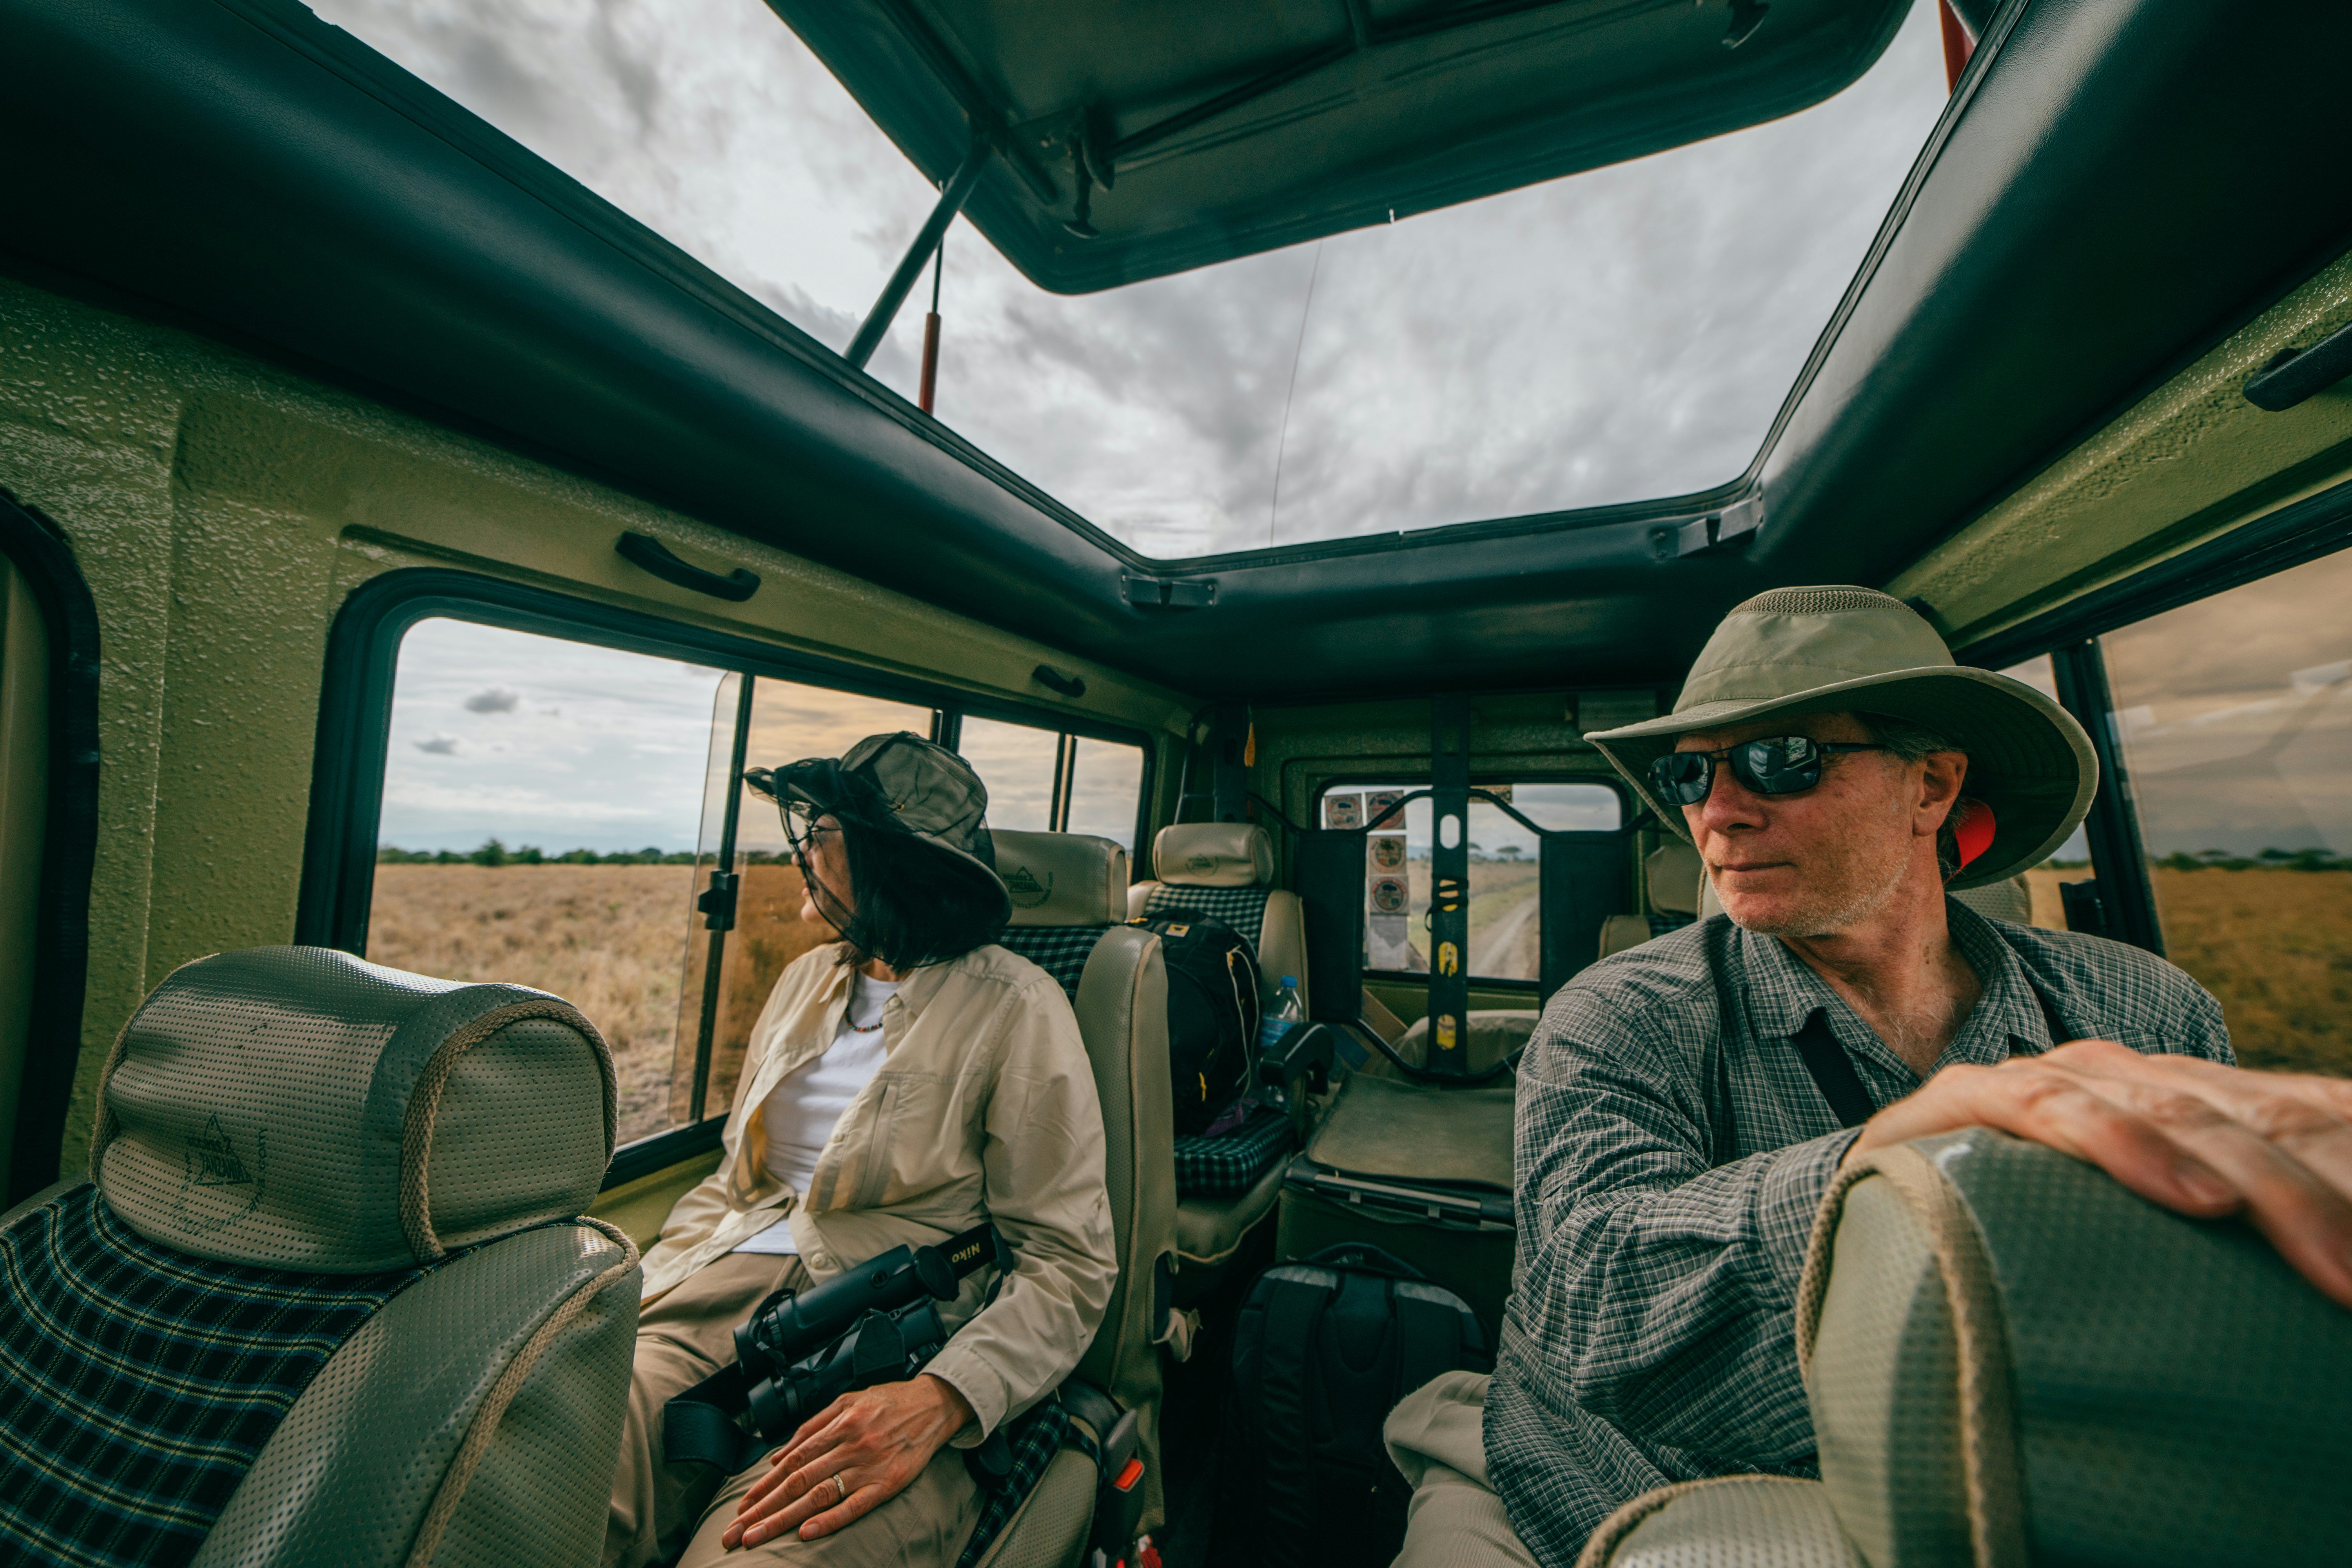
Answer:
(2119, 860)
(37, 547)
(660, 1151)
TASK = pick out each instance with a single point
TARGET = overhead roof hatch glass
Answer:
(1615, 336)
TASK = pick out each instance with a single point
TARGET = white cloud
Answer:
(1622, 334)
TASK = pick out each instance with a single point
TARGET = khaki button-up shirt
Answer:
(983, 1109)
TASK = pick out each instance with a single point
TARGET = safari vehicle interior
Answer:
(381, 502)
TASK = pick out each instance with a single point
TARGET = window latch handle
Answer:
(716, 903)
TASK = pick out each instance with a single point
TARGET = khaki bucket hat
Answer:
(896, 784)
(1794, 651)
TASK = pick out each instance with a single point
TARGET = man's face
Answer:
(1826, 858)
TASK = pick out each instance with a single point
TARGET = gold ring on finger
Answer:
(840, 1489)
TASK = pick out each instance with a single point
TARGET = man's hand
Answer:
(2191, 1135)
(875, 1440)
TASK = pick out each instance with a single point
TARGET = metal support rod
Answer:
(934, 229)
(723, 882)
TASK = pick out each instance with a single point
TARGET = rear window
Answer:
(1505, 924)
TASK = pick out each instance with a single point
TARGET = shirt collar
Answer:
(1783, 994)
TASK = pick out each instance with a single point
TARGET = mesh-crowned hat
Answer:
(1794, 651)
(899, 783)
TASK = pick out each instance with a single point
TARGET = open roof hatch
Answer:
(1134, 139)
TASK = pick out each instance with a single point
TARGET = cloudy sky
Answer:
(1622, 334)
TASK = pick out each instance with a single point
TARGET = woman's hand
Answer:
(2191, 1135)
(875, 1441)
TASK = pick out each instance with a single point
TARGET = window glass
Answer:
(1505, 927)
(1099, 791)
(1105, 790)
(538, 828)
(2071, 861)
(1016, 762)
(2234, 715)
(789, 721)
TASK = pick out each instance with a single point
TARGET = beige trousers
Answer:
(1436, 1437)
(657, 1508)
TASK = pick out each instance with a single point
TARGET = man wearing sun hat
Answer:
(1683, 1107)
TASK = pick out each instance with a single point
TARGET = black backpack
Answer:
(1212, 1012)
(1324, 1349)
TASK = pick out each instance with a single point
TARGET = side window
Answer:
(2234, 715)
(1046, 781)
(2071, 861)
(539, 820)
(730, 973)
(1506, 921)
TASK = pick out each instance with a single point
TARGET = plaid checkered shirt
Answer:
(1671, 1152)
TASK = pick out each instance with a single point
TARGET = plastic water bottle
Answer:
(1284, 1011)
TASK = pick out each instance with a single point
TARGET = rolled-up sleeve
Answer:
(1044, 1163)
(1658, 1290)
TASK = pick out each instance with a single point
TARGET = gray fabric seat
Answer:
(295, 1113)
(1069, 910)
(2010, 1359)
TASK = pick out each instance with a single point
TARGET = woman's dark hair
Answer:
(915, 905)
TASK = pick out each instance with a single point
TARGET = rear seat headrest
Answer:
(1214, 855)
(297, 1108)
(1061, 879)
(1673, 871)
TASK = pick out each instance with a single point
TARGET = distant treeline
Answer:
(2267, 860)
(494, 853)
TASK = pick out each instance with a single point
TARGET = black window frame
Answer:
(353, 740)
(1628, 810)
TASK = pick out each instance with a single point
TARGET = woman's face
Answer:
(822, 860)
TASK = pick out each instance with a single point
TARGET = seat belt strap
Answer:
(1832, 1071)
(1293, 1315)
(700, 1427)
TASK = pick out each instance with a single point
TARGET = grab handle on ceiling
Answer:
(644, 550)
(2295, 374)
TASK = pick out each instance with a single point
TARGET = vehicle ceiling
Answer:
(2116, 182)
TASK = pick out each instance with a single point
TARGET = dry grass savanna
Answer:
(619, 943)
(2275, 946)
(610, 940)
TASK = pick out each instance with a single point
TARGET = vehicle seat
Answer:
(1225, 869)
(2010, 1358)
(326, 1297)
(1069, 919)
(1672, 875)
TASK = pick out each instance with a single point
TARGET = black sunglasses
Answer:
(1781, 764)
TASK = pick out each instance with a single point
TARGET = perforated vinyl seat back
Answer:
(346, 1197)
(1073, 926)
(2010, 1359)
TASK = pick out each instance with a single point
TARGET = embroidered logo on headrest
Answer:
(210, 1159)
(1201, 863)
(1026, 891)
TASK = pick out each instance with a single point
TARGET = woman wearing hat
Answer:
(1683, 1107)
(908, 1081)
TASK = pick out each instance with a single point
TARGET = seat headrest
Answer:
(1214, 855)
(297, 1108)
(1672, 872)
(1061, 879)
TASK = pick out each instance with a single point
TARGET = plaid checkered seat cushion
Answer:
(1036, 1436)
(137, 1383)
(1244, 909)
(1060, 951)
(1230, 1164)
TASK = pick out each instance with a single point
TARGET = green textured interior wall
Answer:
(223, 509)
(2184, 464)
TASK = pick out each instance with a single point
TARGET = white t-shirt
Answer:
(806, 1104)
